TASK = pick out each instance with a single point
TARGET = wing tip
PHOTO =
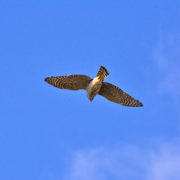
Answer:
(140, 104)
(46, 79)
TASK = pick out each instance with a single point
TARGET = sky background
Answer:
(52, 134)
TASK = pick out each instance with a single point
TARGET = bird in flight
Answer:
(94, 86)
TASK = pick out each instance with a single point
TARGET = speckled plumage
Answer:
(94, 86)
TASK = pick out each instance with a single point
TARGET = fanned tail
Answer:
(102, 73)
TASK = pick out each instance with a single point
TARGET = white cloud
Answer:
(165, 165)
(132, 163)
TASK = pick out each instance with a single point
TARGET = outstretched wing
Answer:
(115, 94)
(72, 82)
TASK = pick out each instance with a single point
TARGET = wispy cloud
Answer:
(162, 163)
(165, 165)
(167, 58)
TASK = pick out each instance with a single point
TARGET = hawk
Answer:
(94, 86)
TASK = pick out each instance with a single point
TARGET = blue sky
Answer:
(52, 134)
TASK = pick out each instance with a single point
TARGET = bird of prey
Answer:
(94, 86)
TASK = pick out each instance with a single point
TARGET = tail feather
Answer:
(102, 73)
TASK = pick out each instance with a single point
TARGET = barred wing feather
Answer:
(72, 82)
(115, 94)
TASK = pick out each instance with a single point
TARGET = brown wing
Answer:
(115, 94)
(72, 82)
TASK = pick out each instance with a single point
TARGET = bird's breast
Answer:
(93, 88)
